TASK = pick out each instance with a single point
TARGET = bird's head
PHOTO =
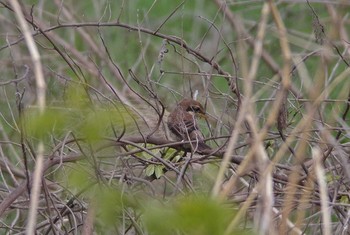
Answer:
(193, 107)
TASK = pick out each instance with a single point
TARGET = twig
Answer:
(41, 89)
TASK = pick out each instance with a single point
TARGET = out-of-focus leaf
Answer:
(76, 97)
(88, 122)
(79, 178)
(331, 177)
(97, 123)
(52, 120)
(344, 199)
(109, 203)
(190, 215)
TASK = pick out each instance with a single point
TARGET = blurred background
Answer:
(272, 75)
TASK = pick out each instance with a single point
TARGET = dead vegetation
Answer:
(87, 88)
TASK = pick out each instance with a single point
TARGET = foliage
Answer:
(272, 76)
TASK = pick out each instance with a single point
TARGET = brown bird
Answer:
(183, 124)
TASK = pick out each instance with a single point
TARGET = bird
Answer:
(182, 123)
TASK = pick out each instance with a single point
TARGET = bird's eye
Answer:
(196, 109)
(191, 109)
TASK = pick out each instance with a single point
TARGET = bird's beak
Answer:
(202, 115)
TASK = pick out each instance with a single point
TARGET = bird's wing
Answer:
(183, 128)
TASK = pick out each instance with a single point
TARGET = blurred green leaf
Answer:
(344, 199)
(52, 120)
(79, 178)
(109, 204)
(85, 121)
(190, 215)
(77, 97)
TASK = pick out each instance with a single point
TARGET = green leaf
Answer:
(50, 121)
(109, 205)
(344, 199)
(147, 155)
(177, 158)
(149, 170)
(190, 215)
(80, 177)
(77, 97)
(159, 171)
(172, 154)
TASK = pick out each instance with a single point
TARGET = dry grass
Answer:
(273, 76)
